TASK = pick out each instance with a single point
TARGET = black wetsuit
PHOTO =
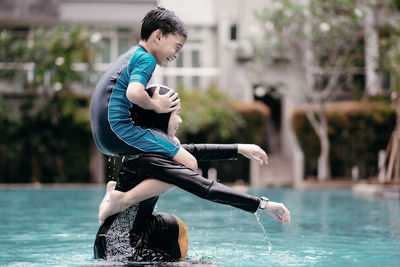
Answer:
(133, 235)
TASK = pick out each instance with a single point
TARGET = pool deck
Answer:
(50, 185)
(391, 191)
(364, 189)
(314, 184)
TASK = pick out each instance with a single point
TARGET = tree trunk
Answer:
(393, 151)
(323, 160)
(96, 166)
(36, 171)
(320, 127)
(371, 40)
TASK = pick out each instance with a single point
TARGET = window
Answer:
(233, 32)
(179, 60)
(105, 54)
(124, 40)
(195, 59)
(179, 82)
(195, 82)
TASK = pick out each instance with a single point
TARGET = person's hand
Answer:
(177, 141)
(253, 152)
(278, 210)
(165, 103)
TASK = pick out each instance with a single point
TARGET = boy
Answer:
(123, 84)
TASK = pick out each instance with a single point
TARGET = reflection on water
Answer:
(47, 227)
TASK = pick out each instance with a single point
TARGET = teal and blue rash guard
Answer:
(113, 130)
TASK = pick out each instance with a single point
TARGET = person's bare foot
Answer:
(110, 187)
(112, 204)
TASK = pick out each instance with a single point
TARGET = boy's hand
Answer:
(177, 141)
(253, 152)
(165, 103)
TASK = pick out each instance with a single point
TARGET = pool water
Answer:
(57, 226)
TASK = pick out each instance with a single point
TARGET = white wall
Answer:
(102, 13)
(193, 12)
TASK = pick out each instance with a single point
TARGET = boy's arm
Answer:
(136, 94)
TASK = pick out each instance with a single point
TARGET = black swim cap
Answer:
(149, 118)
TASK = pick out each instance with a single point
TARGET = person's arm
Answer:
(203, 152)
(153, 187)
(185, 158)
(167, 171)
(136, 94)
(206, 152)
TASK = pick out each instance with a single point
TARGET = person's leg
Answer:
(116, 201)
(106, 199)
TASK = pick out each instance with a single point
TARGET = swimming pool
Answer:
(55, 227)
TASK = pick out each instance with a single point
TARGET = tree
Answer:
(50, 117)
(390, 63)
(52, 53)
(320, 39)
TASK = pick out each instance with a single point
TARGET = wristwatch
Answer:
(263, 202)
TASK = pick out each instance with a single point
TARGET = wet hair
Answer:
(164, 20)
(149, 118)
(162, 232)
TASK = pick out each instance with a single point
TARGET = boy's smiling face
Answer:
(168, 48)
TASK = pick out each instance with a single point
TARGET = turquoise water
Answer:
(56, 227)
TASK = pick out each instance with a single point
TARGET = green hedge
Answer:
(357, 131)
(48, 142)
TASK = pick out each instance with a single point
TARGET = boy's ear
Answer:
(157, 35)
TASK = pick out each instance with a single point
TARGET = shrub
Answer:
(51, 141)
(357, 131)
(48, 143)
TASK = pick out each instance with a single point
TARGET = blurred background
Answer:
(315, 83)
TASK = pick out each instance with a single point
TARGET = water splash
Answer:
(265, 233)
(111, 168)
(109, 174)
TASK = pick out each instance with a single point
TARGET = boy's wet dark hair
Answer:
(164, 20)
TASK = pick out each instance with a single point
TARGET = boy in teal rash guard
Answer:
(123, 84)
